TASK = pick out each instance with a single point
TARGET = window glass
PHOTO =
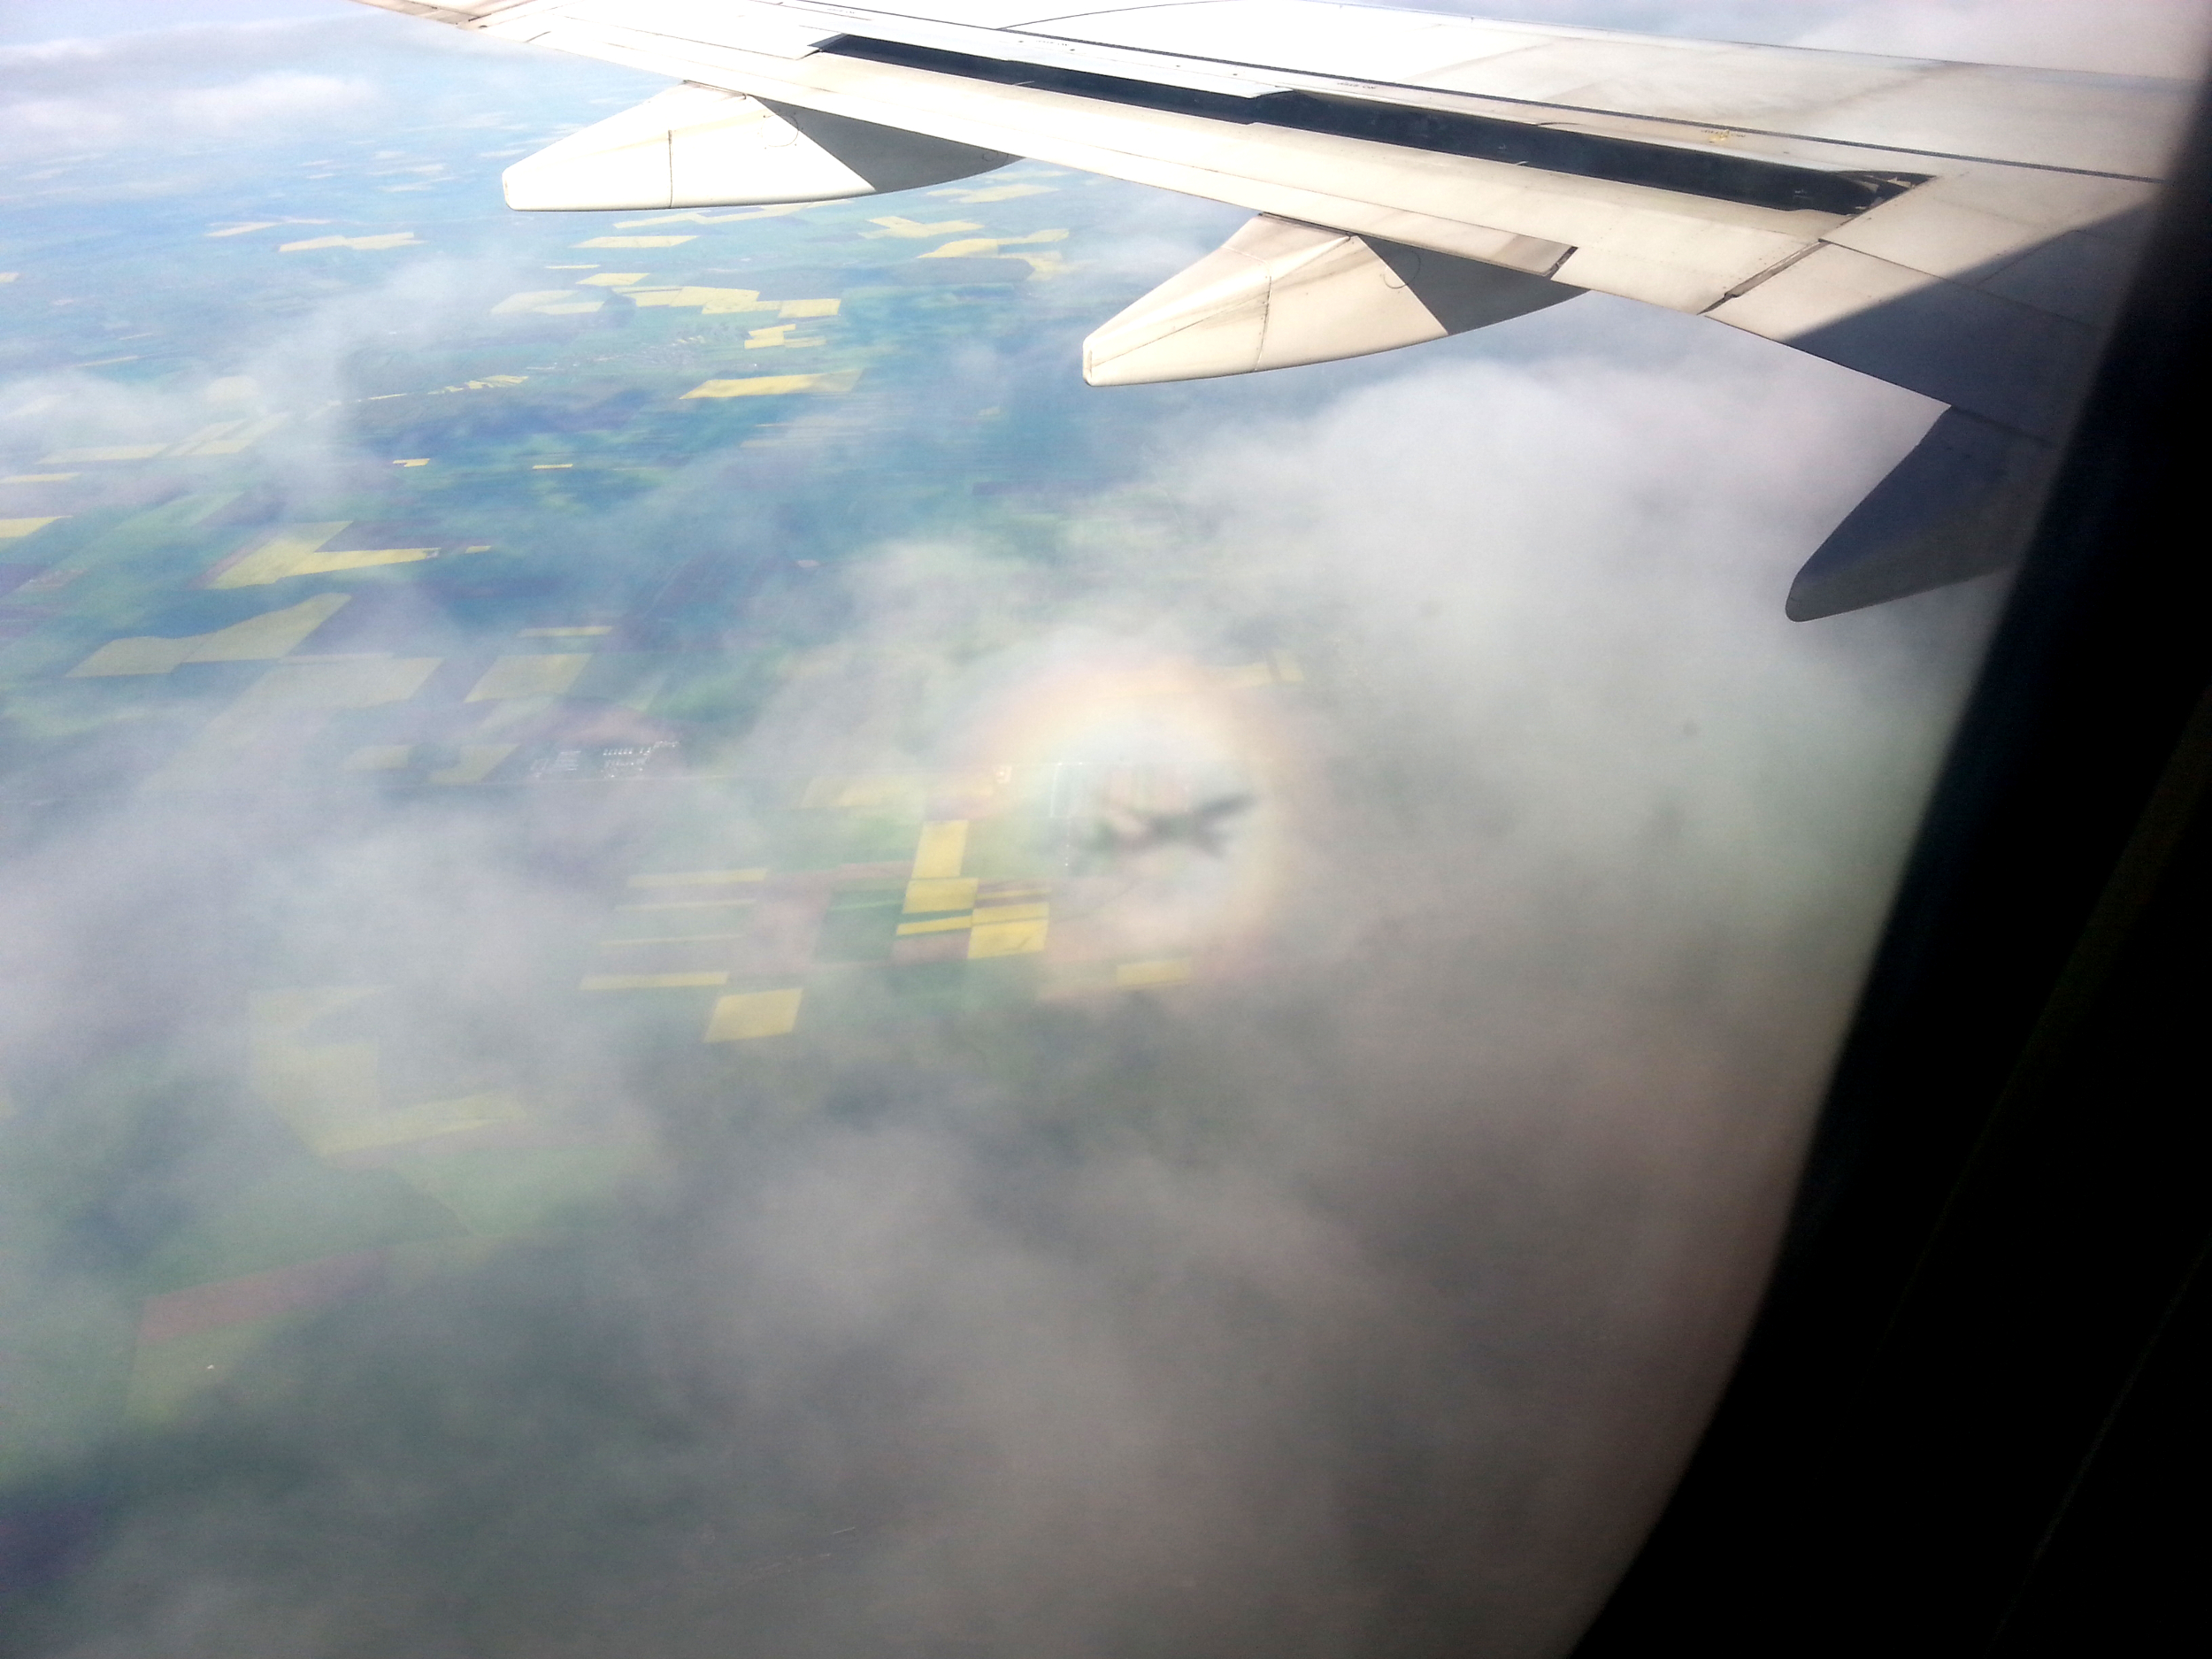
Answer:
(700, 959)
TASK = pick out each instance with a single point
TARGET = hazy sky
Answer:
(1365, 1303)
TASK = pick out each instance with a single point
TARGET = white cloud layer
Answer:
(1367, 1303)
(180, 78)
(276, 101)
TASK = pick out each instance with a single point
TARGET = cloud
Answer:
(157, 57)
(171, 85)
(277, 100)
(1366, 1299)
(310, 77)
(28, 22)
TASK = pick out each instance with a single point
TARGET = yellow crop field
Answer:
(297, 551)
(753, 1014)
(365, 684)
(654, 982)
(941, 892)
(776, 385)
(111, 452)
(893, 225)
(778, 334)
(941, 849)
(990, 915)
(937, 924)
(1007, 939)
(983, 246)
(547, 675)
(358, 245)
(263, 638)
(133, 656)
(710, 302)
(330, 1094)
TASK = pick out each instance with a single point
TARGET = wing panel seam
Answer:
(1746, 180)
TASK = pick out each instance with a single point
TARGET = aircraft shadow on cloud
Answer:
(1964, 231)
(1204, 829)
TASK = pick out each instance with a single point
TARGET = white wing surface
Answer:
(1961, 230)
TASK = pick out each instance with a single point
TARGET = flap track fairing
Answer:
(1279, 294)
(695, 146)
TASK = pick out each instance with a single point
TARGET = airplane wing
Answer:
(1962, 230)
